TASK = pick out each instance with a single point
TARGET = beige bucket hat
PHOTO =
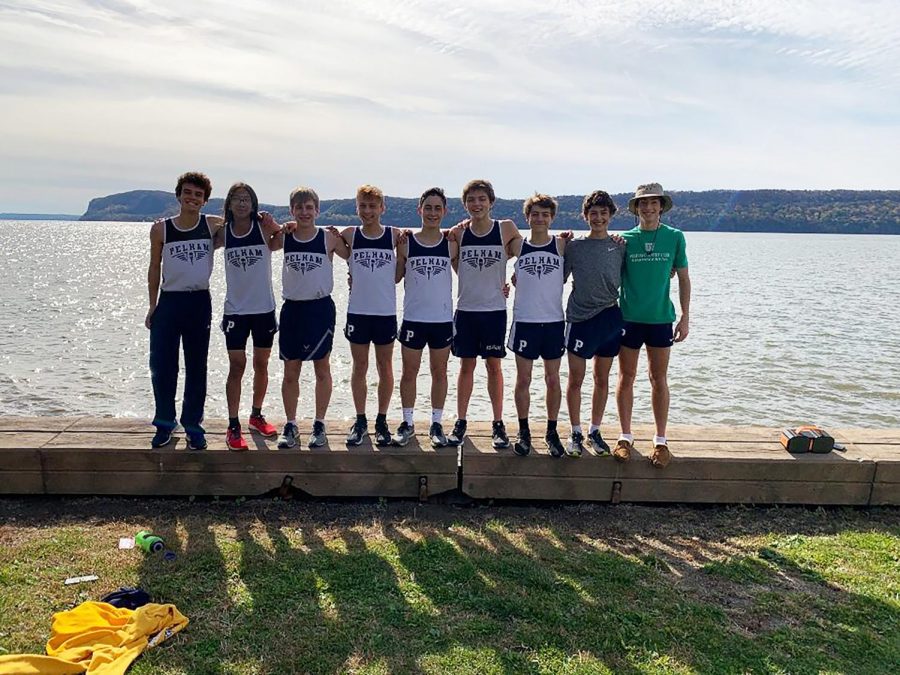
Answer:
(650, 190)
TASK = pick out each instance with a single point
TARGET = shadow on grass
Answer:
(287, 588)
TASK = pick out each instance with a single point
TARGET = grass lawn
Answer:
(397, 587)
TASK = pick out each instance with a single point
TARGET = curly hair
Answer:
(201, 180)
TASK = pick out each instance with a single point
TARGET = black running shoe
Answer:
(554, 444)
(522, 446)
(358, 431)
(288, 438)
(436, 434)
(575, 448)
(196, 441)
(382, 434)
(600, 446)
(317, 438)
(161, 438)
(405, 433)
(499, 439)
(458, 435)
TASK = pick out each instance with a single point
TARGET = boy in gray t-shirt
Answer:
(594, 321)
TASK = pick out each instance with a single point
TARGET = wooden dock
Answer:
(726, 465)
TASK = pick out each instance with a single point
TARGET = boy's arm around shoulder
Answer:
(512, 238)
(335, 243)
(217, 230)
(273, 233)
(402, 255)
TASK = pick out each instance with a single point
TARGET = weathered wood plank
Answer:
(10, 440)
(746, 492)
(887, 458)
(885, 494)
(238, 483)
(22, 483)
(538, 488)
(20, 424)
(711, 464)
(720, 463)
(867, 436)
(117, 461)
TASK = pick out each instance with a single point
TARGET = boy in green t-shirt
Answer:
(652, 251)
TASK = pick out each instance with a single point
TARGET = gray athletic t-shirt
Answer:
(596, 269)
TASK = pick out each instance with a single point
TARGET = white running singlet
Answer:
(428, 283)
(372, 268)
(248, 272)
(482, 271)
(307, 273)
(187, 257)
(539, 284)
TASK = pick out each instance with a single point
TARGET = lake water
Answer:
(784, 329)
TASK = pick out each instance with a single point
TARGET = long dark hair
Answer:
(228, 215)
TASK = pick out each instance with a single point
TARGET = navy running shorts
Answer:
(361, 329)
(601, 335)
(238, 327)
(538, 340)
(479, 334)
(650, 334)
(307, 329)
(417, 334)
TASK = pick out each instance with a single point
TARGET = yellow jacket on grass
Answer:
(98, 638)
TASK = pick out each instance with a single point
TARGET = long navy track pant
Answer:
(181, 317)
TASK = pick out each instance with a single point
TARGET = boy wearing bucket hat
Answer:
(652, 251)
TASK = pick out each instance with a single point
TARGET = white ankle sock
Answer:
(408, 416)
(594, 427)
(659, 440)
(627, 437)
(437, 415)
(578, 429)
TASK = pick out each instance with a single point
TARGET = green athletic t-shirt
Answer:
(649, 259)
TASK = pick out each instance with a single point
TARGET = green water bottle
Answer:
(149, 542)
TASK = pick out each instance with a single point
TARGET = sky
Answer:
(567, 96)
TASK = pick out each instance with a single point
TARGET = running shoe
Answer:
(600, 446)
(405, 432)
(196, 441)
(357, 432)
(317, 438)
(436, 434)
(575, 446)
(554, 444)
(458, 435)
(258, 423)
(234, 440)
(161, 438)
(499, 439)
(288, 438)
(522, 446)
(382, 434)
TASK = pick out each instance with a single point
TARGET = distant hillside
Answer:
(39, 216)
(834, 211)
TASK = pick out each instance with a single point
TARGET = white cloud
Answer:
(561, 96)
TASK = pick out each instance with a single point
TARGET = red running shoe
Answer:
(234, 440)
(259, 424)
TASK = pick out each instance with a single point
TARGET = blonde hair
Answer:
(369, 191)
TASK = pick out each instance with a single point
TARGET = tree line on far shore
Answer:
(801, 211)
